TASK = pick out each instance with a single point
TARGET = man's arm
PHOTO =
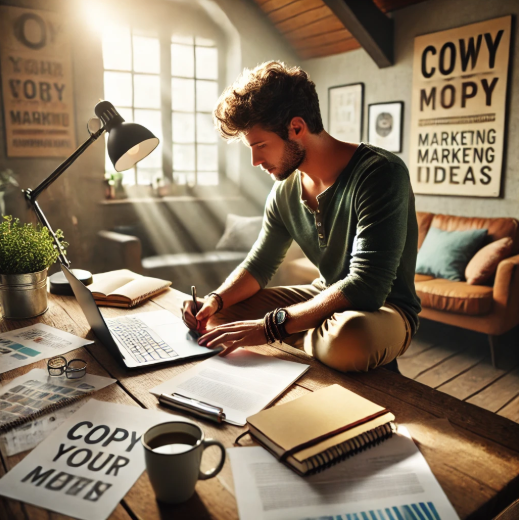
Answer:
(239, 286)
(382, 206)
(253, 273)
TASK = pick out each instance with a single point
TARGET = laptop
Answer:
(141, 339)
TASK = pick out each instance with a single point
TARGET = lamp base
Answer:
(59, 284)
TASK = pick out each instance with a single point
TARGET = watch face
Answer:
(281, 316)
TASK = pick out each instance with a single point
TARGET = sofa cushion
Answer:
(497, 227)
(424, 223)
(484, 263)
(240, 233)
(445, 254)
(422, 277)
(186, 259)
(458, 297)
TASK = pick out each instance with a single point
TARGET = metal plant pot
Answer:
(23, 295)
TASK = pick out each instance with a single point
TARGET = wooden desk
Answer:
(473, 453)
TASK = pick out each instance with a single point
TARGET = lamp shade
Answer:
(128, 143)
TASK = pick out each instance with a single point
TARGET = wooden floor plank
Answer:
(412, 367)
(511, 410)
(472, 381)
(498, 394)
(450, 368)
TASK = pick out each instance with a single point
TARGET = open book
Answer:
(316, 431)
(125, 288)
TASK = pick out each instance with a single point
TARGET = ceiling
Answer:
(312, 29)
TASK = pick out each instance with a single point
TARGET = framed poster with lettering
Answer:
(385, 125)
(458, 109)
(345, 112)
(36, 70)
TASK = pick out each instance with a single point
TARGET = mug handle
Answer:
(212, 473)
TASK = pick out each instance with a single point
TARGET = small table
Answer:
(473, 453)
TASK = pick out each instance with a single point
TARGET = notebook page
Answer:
(242, 383)
(387, 482)
(139, 287)
(108, 282)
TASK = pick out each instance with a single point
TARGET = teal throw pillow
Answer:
(445, 254)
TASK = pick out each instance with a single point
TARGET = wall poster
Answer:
(458, 109)
(345, 111)
(36, 70)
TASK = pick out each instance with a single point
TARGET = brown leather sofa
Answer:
(490, 309)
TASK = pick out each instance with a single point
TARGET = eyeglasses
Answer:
(73, 369)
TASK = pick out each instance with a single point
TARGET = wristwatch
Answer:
(280, 319)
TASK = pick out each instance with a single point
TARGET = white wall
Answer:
(395, 84)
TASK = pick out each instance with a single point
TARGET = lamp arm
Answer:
(32, 195)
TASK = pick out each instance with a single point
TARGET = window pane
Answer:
(182, 61)
(126, 113)
(150, 119)
(146, 55)
(206, 62)
(207, 155)
(183, 94)
(117, 49)
(146, 176)
(180, 177)
(207, 178)
(205, 42)
(118, 88)
(206, 95)
(205, 131)
(129, 177)
(183, 156)
(183, 127)
(147, 91)
(179, 38)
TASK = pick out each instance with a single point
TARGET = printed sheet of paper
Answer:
(36, 390)
(242, 383)
(88, 464)
(29, 435)
(387, 482)
(25, 346)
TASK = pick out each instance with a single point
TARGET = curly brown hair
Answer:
(269, 95)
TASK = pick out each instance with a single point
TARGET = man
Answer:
(351, 209)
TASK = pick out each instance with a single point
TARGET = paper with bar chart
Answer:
(391, 481)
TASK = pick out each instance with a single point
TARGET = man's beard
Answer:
(293, 156)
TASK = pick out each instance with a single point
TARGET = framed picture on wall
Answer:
(345, 112)
(385, 125)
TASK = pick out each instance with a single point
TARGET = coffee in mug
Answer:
(173, 452)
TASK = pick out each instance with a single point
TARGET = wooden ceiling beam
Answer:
(370, 27)
(349, 44)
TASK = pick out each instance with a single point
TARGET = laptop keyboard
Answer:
(139, 343)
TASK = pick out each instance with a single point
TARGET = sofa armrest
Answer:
(120, 251)
(506, 277)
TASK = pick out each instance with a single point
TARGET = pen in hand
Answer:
(195, 305)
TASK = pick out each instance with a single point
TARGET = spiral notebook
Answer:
(36, 393)
(318, 430)
(124, 288)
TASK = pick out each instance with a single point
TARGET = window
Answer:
(133, 78)
(194, 91)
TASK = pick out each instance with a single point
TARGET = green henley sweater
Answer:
(363, 237)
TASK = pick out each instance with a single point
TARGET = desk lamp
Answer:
(128, 143)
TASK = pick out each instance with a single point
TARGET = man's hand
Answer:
(205, 307)
(233, 335)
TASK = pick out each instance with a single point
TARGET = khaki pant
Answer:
(347, 341)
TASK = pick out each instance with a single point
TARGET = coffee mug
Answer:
(173, 452)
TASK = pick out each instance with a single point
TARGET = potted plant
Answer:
(26, 252)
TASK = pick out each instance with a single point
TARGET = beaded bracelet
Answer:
(219, 301)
